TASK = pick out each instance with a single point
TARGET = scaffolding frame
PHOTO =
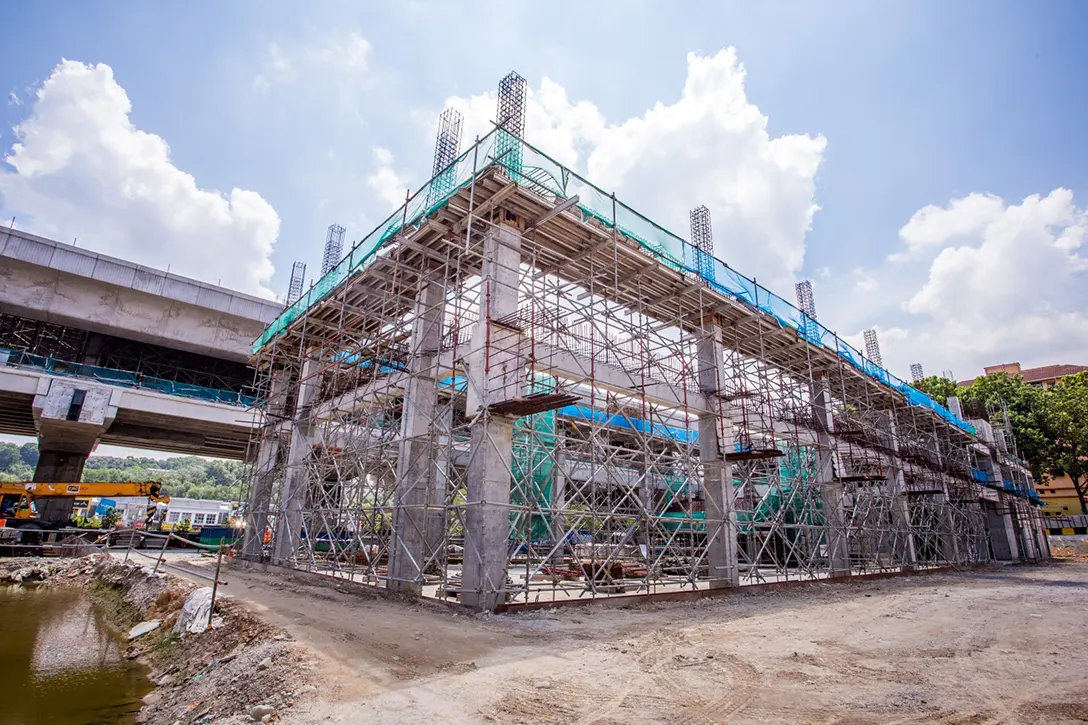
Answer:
(511, 398)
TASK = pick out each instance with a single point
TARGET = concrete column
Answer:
(950, 548)
(416, 458)
(831, 491)
(437, 513)
(69, 416)
(897, 491)
(559, 498)
(264, 475)
(1002, 536)
(1023, 535)
(715, 439)
(260, 497)
(496, 374)
(296, 480)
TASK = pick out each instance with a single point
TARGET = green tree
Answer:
(1067, 415)
(9, 454)
(1028, 413)
(110, 518)
(938, 388)
(28, 452)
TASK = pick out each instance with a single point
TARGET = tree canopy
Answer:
(1050, 425)
(936, 387)
(1067, 417)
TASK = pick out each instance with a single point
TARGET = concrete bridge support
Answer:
(296, 480)
(417, 499)
(715, 439)
(69, 416)
(831, 491)
(496, 374)
(897, 491)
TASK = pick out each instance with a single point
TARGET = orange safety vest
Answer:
(268, 536)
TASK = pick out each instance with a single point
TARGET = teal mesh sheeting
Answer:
(534, 462)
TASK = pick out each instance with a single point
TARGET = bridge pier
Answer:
(69, 417)
(495, 374)
(417, 499)
(715, 440)
(296, 481)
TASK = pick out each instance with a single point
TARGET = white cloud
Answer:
(1007, 283)
(389, 185)
(13, 99)
(863, 281)
(934, 225)
(81, 169)
(345, 57)
(711, 146)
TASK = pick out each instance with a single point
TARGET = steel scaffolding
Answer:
(510, 395)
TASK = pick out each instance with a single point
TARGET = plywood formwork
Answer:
(510, 395)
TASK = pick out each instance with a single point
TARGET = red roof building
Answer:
(1044, 376)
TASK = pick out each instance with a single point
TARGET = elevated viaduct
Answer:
(98, 349)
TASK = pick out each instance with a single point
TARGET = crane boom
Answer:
(150, 489)
(16, 499)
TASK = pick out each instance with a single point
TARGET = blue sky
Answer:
(321, 115)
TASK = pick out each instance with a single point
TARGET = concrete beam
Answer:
(58, 283)
(137, 418)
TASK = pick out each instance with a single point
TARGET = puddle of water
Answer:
(60, 663)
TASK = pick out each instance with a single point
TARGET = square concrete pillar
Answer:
(559, 499)
(260, 497)
(1000, 528)
(296, 476)
(836, 534)
(437, 512)
(496, 373)
(715, 438)
(487, 515)
(897, 491)
(265, 468)
(416, 472)
(950, 548)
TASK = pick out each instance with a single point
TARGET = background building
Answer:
(1043, 376)
(197, 512)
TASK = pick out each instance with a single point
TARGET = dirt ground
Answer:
(975, 647)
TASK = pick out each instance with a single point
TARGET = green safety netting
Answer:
(534, 462)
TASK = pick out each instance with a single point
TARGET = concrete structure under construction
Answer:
(519, 390)
(97, 349)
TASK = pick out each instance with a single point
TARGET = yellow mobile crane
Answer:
(16, 510)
